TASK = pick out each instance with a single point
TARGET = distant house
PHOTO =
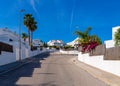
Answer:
(111, 43)
(58, 43)
(37, 42)
(73, 43)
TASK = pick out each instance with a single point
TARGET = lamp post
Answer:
(22, 10)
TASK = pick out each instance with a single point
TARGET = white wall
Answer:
(30, 53)
(6, 58)
(9, 57)
(111, 66)
(69, 52)
(109, 43)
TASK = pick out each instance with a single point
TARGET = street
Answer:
(50, 70)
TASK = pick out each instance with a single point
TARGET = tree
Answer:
(95, 38)
(45, 45)
(30, 24)
(33, 28)
(117, 37)
(24, 36)
(87, 42)
(84, 36)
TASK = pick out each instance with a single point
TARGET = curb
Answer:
(108, 78)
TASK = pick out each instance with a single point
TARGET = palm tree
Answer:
(87, 41)
(28, 21)
(117, 37)
(84, 36)
(33, 28)
(24, 36)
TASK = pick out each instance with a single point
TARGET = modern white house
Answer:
(8, 36)
(111, 43)
(21, 50)
(37, 42)
(74, 42)
(12, 38)
(58, 43)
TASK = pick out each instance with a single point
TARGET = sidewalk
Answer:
(14, 65)
(108, 78)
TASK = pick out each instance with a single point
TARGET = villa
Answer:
(74, 42)
(58, 43)
(37, 42)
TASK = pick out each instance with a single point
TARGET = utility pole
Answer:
(22, 10)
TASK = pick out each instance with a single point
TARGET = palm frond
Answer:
(87, 31)
(79, 33)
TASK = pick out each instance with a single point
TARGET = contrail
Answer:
(72, 15)
(32, 2)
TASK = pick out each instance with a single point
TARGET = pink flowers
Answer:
(87, 47)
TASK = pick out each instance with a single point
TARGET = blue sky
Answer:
(58, 19)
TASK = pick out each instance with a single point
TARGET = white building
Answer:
(19, 53)
(74, 42)
(9, 37)
(55, 43)
(12, 38)
(6, 36)
(111, 43)
(37, 42)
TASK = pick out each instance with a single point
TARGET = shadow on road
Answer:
(26, 70)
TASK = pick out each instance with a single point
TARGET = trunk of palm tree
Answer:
(24, 39)
(29, 36)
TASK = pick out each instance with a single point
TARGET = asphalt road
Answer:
(49, 70)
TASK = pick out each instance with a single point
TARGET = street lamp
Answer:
(22, 10)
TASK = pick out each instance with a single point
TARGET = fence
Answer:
(99, 50)
(112, 53)
(109, 53)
